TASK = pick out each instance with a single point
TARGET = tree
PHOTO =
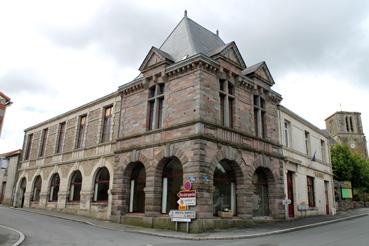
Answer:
(342, 162)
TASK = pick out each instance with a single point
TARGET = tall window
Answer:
(54, 188)
(307, 142)
(287, 131)
(36, 189)
(155, 107)
(28, 146)
(102, 185)
(226, 95)
(323, 150)
(60, 139)
(311, 192)
(107, 123)
(259, 116)
(43, 142)
(81, 131)
(75, 186)
(351, 125)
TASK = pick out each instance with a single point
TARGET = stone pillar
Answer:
(62, 198)
(152, 194)
(86, 197)
(43, 199)
(27, 199)
(117, 195)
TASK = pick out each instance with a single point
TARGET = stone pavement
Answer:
(261, 229)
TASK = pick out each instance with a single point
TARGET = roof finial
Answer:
(185, 13)
(217, 32)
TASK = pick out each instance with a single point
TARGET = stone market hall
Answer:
(195, 112)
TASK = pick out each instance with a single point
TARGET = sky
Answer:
(58, 55)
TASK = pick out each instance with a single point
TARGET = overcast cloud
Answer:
(58, 55)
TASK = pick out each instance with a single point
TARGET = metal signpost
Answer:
(187, 197)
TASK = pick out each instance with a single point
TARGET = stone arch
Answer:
(21, 190)
(50, 189)
(168, 178)
(74, 185)
(35, 190)
(127, 178)
(233, 158)
(262, 181)
(170, 150)
(76, 167)
(101, 163)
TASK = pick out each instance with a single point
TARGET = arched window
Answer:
(171, 183)
(75, 186)
(137, 193)
(261, 193)
(102, 185)
(224, 197)
(36, 189)
(54, 188)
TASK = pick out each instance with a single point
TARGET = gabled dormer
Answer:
(261, 72)
(155, 58)
(230, 53)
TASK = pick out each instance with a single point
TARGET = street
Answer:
(45, 230)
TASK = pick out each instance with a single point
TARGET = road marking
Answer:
(21, 235)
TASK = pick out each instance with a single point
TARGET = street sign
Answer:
(187, 185)
(180, 220)
(185, 214)
(186, 193)
(189, 201)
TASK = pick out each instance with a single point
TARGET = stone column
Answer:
(43, 199)
(62, 198)
(152, 194)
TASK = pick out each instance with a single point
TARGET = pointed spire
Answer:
(185, 13)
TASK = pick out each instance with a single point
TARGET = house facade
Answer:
(67, 161)
(308, 182)
(8, 175)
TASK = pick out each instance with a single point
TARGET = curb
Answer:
(198, 238)
(21, 235)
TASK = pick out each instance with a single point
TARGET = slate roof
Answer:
(189, 38)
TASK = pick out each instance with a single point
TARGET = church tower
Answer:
(345, 127)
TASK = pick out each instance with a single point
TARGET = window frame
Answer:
(60, 138)
(107, 124)
(81, 130)
(155, 106)
(310, 182)
(260, 116)
(226, 102)
(97, 182)
(43, 141)
(27, 153)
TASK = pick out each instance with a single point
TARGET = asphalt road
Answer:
(45, 230)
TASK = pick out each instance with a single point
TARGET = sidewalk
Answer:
(236, 233)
